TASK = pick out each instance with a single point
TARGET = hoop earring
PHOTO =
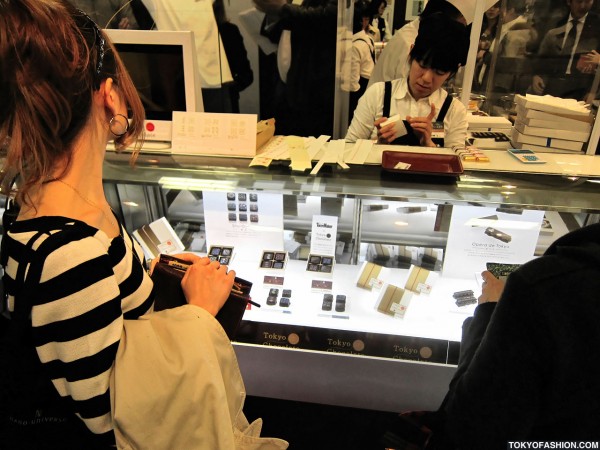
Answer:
(117, 126)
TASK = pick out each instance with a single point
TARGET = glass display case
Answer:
(364, 277)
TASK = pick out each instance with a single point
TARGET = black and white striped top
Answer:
(89, 285)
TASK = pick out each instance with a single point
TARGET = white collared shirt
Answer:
(579, 24)
(363, 49)
(387, 34)
(198, 16)
(506, 27)
(370, 108)
(393, 62)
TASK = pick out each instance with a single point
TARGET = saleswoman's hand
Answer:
(386, 134)
(206, 283)
(491, 289)
(423, 127)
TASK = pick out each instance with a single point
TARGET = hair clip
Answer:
(98, 42)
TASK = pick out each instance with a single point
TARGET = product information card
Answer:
(158, 238)
(214, 133)
(246, 221)
(478, 236)
(323, 236)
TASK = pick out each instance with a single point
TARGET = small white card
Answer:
(402, 166)
(424, 288)
(323, 236)
(376, 283)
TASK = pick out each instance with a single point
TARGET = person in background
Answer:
(363, 54)
(545, 15)
(73, 277)
(487, 42)
(516, 32)
(379, 25)
(561, 69)
(306, 106)
(515, 35)
(393, 63)
(212, 64)
(236, 56)
(529, 366)
(439, 49)
(109, 13)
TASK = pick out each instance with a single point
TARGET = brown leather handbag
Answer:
(167, 291)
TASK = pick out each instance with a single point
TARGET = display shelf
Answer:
(357, 357)
(431, 321)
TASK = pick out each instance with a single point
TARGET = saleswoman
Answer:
(419, 100)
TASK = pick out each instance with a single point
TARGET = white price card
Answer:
(323, 236)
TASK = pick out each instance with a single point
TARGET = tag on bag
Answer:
(168, 293)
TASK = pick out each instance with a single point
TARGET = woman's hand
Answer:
(537, 85)
(592, 57)
(491, 289)
(152, 264)
(589, 62)
(206, 283)
(386, 134)
(423, 127)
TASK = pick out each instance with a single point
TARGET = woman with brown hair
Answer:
(73, 276)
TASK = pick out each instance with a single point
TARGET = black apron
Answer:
(411, 138)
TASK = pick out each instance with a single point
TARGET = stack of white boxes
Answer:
(551, 124)
(488, 123)
(488, 132)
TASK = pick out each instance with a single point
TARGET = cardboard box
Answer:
(488, 123)
(557, 124)
(540, 149)
(393, 301)
(520, 138)
(420, 280)
(552, 104)
(535, 114)
(369, 275)
(567, 135)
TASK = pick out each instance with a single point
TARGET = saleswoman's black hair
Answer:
(442, 43)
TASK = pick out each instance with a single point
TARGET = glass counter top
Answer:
(191, 172)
